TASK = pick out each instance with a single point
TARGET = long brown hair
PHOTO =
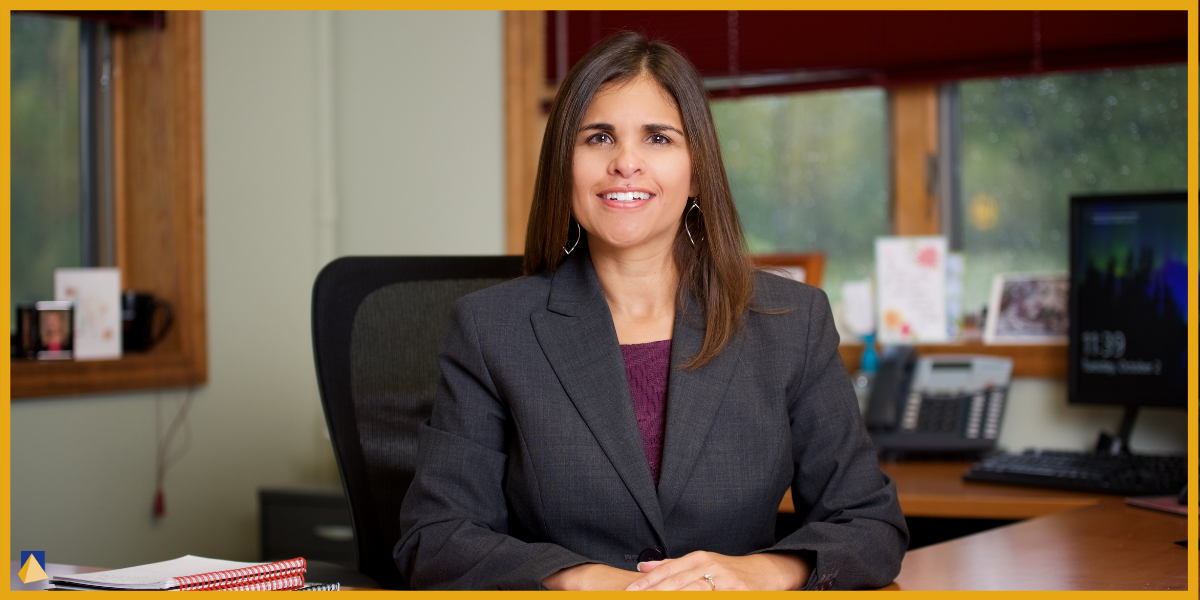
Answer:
(715, 271)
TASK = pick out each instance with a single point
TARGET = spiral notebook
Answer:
(195, 573)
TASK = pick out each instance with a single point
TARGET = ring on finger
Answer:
(708, 577)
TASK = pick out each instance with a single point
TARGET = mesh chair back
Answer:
(377, 325)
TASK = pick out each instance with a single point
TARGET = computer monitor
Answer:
(1128, 302)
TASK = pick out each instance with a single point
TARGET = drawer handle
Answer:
(334, 533)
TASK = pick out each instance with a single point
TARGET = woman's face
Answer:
(632, 170)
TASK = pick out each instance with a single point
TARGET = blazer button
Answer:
(650, 554)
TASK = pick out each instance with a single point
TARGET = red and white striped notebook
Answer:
(197, 573)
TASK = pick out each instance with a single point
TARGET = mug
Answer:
(138, 315)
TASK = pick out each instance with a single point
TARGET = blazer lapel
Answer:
(693, 398)
(579, 340)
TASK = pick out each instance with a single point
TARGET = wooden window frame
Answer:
(915, 207)
(158, 183)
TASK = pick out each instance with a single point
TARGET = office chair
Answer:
(378, 323)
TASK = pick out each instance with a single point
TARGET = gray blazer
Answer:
(533, 461)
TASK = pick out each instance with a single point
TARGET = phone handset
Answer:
(891, 386)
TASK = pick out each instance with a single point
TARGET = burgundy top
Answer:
(647, 367)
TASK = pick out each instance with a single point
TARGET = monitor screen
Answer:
(1128, 300)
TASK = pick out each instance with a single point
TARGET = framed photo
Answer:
(1027, 308)
(805, 268)
(55, 336)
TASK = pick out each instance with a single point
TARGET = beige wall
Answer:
(415, 105)
(326, 134)
(1038, 416)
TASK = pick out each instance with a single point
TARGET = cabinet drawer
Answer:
(315, 525)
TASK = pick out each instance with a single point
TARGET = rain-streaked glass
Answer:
(45, 193)
(1030, 143)
(809, 172)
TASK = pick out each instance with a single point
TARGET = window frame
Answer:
(917, 172)
(158, 191)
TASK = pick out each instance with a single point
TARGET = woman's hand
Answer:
(766, 571)
(591, 577)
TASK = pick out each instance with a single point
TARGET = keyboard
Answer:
(1127, 475)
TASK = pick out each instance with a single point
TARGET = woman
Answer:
(642, 395)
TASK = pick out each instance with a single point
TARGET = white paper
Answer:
(97, 297)
(155, 576)
(858, 310)
(911, 275)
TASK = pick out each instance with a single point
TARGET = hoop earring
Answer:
(696, 206)
(578, 234)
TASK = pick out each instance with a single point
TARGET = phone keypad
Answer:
(975, 416)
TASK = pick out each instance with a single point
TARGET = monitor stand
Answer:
(1110, 445)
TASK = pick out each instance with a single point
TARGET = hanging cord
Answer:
(164, 459)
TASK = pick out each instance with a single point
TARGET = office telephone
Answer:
(948, 404)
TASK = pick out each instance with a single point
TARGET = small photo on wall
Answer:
(1028, 308)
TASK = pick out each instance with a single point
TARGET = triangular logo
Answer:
(32, 571)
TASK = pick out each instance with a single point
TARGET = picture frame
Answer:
(805, 268)
(1028, 308)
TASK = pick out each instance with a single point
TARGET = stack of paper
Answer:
(193, 572)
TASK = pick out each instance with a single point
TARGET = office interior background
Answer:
(401, 116)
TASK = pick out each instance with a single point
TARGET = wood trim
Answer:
(120, 189)
(959, 506)
(1047, 361)
(915, 209)
(524, 83)
(150, 370)
(159, 189)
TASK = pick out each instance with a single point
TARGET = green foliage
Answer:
(1030, 143)
(808, 172)
(45, 200)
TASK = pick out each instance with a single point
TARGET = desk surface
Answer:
(1070, 540)
(937, 489)
(1106, 546)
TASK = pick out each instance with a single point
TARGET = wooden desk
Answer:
(937, 489)
(1106, 546)
(1070, 540)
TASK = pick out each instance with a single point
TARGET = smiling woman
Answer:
(650, 89)
(632, 171)
(630, 413)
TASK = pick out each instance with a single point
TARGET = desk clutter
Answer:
(90, 318)
(194, 573)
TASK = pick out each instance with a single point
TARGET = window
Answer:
(1029, 143)
(46, 178)
(809, 173)
(62, 151)
(155, 189)
(890, 140)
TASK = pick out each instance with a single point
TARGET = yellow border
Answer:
(1193, 216)
(5, 267)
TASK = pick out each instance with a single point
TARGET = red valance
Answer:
(769, 51)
